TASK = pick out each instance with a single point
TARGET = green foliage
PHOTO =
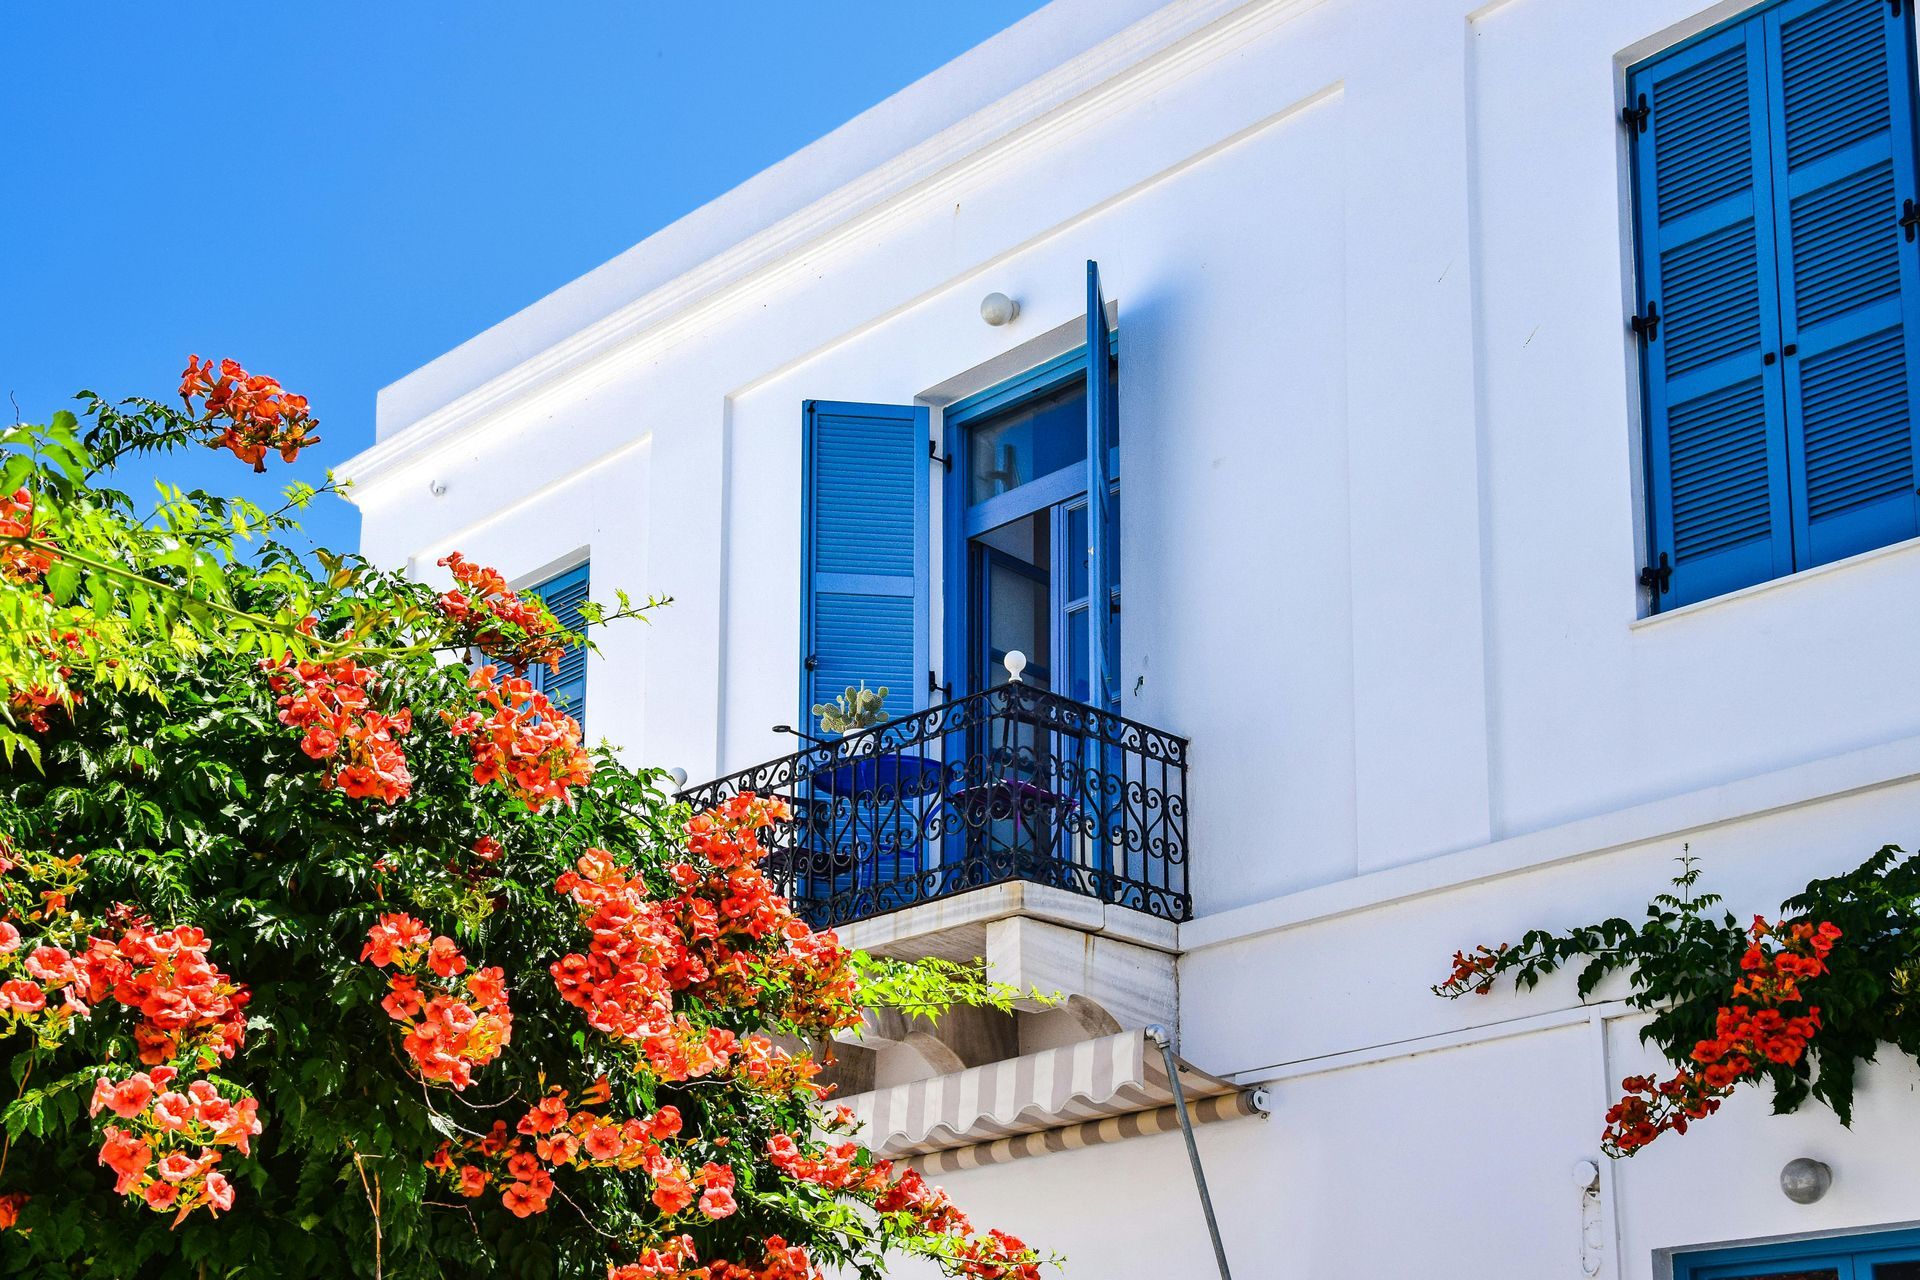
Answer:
(162, 761)
(1683, 960)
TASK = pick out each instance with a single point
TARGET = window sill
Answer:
(1909, 546)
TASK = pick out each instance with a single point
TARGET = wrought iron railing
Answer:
(1011, 784)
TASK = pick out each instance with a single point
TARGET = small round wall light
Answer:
(1805, 1181)
(998, 309)
(437, 488)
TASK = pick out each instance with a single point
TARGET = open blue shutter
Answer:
(1843, 162)
(563, 595)
(1716, 437)
(864, 607)
(1103, 411)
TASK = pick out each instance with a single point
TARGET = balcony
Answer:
(1013, 786)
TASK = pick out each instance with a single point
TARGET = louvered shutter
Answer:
(1842, 157)
(1716, 417)
(864, 611)
(563, 595)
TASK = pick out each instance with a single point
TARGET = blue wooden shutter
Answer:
(1841, 111)
(1716, 439)
(864, 573)
(1103, 411)
(563, 595)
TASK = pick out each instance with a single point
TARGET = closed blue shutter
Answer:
(563, 595)
(864, 607)
(1841, 119)
(1716, 441)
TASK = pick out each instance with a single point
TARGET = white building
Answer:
(1391, 460)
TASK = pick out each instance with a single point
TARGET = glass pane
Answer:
(1077, 554)
(1897, 1270)
(1113, 536)
(1077, 654)
(1028, 441)
(1017, 598)
(1113, 390)
(1823, 1273)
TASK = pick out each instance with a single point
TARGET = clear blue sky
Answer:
(335, 192)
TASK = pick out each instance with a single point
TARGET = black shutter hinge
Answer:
(1635, 117)
(1657, 578)
(934, 453)
(813, 662)
(1647, 324)
(1896, 7)
(934, 686)
(1910, 218)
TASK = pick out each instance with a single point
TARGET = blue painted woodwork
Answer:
(1880, 1255)
(566, 688)
(865, 573)
(1103, 413)
(1769, 188)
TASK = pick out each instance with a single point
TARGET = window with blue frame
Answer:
(1886, 1255)
(1778, 244)
(1031, 470)
(566, 688)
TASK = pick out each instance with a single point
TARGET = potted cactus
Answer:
(852, 711)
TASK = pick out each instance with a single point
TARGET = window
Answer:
(1891, 1255)
(1020, 564)
(1022, 570)
(1778, 269)
(566, 688)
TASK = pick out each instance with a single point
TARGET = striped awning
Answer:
(1056, 1100)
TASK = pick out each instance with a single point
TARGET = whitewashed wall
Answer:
(1381, 531)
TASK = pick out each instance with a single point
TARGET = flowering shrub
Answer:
(508, 1010)
(255, 414)
(1796, 1003)
(491, 618)
(523, 742)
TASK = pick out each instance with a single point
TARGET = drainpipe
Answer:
(1159, 1036)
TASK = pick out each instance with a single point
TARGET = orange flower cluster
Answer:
(18, 561)
(848, 1169)
(496, 621)
(165, 1158)
(676, 1260)
(191, 1015)
(706, 942)
(332, 702)
(33, 704)
(256, 414)
(552, 1137)
(459, 1020)
(525, 743)
(1474, 971)
(1757, 1030)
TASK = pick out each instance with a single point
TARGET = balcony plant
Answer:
(850, 712)
(1795, 1003)
(323, 955)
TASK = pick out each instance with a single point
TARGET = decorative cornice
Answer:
(1169, 44)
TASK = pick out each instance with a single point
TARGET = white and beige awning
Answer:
(1062, 1099)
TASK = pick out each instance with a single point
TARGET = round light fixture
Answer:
(998, 309)
(1805, 1181)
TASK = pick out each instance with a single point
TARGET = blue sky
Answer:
(336, 192)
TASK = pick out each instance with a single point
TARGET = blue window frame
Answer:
(563, 594)
(1030, 453)
(1779, 276)
(1885, 1255)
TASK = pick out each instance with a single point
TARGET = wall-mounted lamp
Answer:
(998, 309)
(679, 777)
(1805, 1181)
(436, 487)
